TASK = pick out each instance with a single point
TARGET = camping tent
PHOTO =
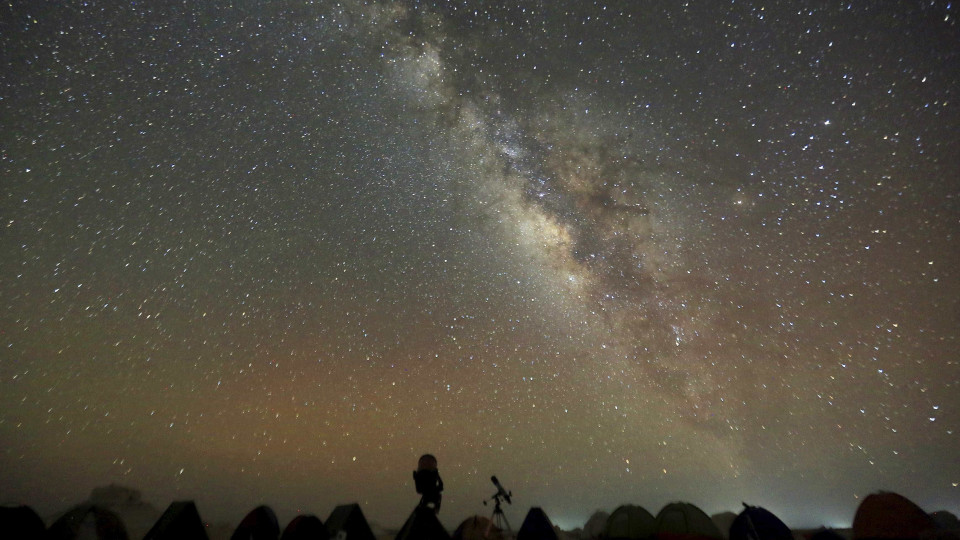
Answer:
(889, 515)
(476, 528)
(88, 521)
(537, 526)
(596, 526)
(260, 524)
(180, 521)
(945, 520)
(756, 523)
(723, 521)
(305, 527)
(348, 520)
(422, 525)
(684, 521)
(20, 522)
(630, 522)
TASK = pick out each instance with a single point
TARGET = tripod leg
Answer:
(500, 520)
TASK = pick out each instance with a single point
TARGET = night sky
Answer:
(609, 252)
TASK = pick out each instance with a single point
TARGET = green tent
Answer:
(684, 521)
(630, 522)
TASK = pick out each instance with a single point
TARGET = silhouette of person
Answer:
(428, 482)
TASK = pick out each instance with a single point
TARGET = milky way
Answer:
(625, 252)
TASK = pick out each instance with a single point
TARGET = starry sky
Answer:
(609, 252)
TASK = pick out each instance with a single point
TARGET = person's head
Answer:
(427, 461)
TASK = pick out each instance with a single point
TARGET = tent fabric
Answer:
(422, 525)
(477, 528)
(20, 522)
(348, 520)
(755, 523)
(260, 524)
(684, 521)
(889, 515)
(88, 521)
(537, 526)
(945, 520)
(596, 526)
(630, 522)
(305, 527)
(180, 521)
(723, 521)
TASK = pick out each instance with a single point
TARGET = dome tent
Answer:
(476, 528)
(945, 520)
(595, 527)
(422, 525)
(304, 526)
(260, 524)
(180, 521)
(630, 522)
(889, 515)
(20, 522)
(755, 523)
(684, 521)
(536, 526)
(349, 520)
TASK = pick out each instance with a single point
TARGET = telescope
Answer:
(498, 517)
(501, 493)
